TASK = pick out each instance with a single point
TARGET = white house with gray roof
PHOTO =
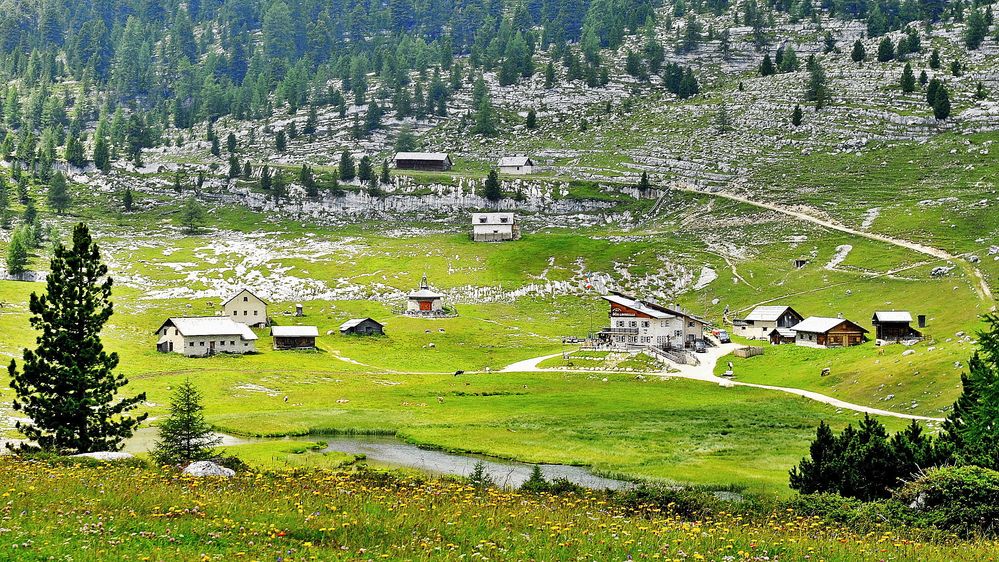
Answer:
(516, 165)
(494, 227)
(763, 320)
(641, 323)
(205, 335)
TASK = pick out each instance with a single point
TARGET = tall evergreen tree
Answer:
(796, 115)
(886, 50)
(102, 154)
(128, 200)
(185, 436)
(58, 196)
(491, 189)
(346, 169)
(17, 251)
(820, 471)
(908, 81)
(385, 177)
(767, 66)
(67, 386)
(941, 104)
(192, 215)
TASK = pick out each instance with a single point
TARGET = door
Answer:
(425, 306)
(211, 348)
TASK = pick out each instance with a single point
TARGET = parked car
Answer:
(700, 347)
(722, 336)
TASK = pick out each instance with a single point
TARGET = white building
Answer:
(247, 308)
(494, 227)
(205, 335)
(425, 301)
(516, 165)
(763, 320)
(635, 323)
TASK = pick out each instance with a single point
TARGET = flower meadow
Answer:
(62, 511)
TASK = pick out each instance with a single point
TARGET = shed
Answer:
(427, 161)
(763, 320)
(782, 335)
(294, 337)
(817, 331)
(894, 326)
(494, 227)
(362, 327)
(517, 165)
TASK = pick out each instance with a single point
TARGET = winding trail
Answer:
(980, 285)
(705, 373)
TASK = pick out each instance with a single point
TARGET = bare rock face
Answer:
(106, 455)
(208, 468)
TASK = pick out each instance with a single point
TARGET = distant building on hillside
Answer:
(246, 308)
(816, 331)
(763, 320)
(294, 337)
(205, 335)
(640, 323)
(426, 161)
(425, 301)
(517, 165)
(362, 327)
(494, 227)
(893, 326)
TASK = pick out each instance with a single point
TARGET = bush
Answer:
(832, 507)
(684, 502)
(962, 500)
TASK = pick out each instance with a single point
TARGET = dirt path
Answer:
(980, 285)
(705, 372)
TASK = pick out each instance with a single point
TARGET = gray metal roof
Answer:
(766, 313)
(436, 156)
(294, 331)
(509, 161)
(210, 326)
(354, 322)
(892, 316)
(492, 218)
(240, 292)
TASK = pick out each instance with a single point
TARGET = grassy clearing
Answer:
(131, 513)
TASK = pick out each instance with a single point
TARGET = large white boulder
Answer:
(208, 468)
(106, 455)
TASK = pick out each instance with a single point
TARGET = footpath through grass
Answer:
(96, 513)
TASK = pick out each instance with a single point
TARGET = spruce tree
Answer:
(796, 115)
(492, 190)
(941, 104)
(4, 204)
(908, 81)
(643, 182)
(281, 141)
(67, 386)
(532, 119)
(858, 54)
(74, 151)
(192, 215)
(385, 177)
(128, 199)
(935, 59)
(346, 169)
(102, 154)
(886, 50)
(819, 472)
(230, 143)
(364, 171)
(767, 66)
(265, 178)
(185, 436)
(722, 121)
(234, 168)
(58, 196)
(17, 251)
(215, 150)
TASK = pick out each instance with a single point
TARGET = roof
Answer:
(785, 332)
(356, 321)
(821, 325)
(515, 161)
(210, 326)
(425, 294)
(434, 156)
(637, 305)
(240, 292)
(294, 331)
(492, 218)
(892, 316)
(767, 313)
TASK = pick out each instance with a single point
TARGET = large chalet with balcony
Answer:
(640, 323)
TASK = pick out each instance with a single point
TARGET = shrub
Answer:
(962, 500)
(684, 502)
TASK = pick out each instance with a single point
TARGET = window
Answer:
(244, 313)
(620, 323)
(645, 323)
(690, 324)
(233, 343)
(482, 220)
(192, 344)
(255, 312)
(246, 299)
(678, 333)
(222, 343)
(633, 324)
(202, 344)
(503, 219)
(234, 313)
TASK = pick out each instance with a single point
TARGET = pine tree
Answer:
(796, 115)
(74, 151)
(185, 436)
(491, 189)
(908, 81)
(935, 59)
(17, 252)
(955, 68)
(311, 122)
(128, 199)
(931, 91)
(247, 170)
(549, 76)
(215, 150)
(975, 30)
(643, 182)
(722, 121)
(192, 215)
(346, 169)
(102, 154)
(536, 483)
(767, 66)
(886, 50)
(67, 386)
(941, 104)
(58, 196)
(364, 171)
(532, 119)
(230, 143)
(308, 181)
(816, 89)
(819, 472)
(4, 204)
(177, 185)
(265, 178)
(385, 178)
(281, 141)
(234, 168)
(485, 122)
(923, 78)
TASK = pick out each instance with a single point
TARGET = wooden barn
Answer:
(294, 337)
(782, 335)
(362, 327)
(816, 331)
(425, 161)
(894, 326)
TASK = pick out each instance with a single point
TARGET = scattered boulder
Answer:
(908, 352)
(208, 468)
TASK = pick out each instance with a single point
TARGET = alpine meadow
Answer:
(596, 280)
